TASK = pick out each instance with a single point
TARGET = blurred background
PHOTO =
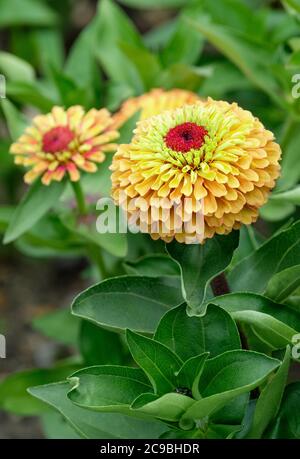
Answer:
(98, 54)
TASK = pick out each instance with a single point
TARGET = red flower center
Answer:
(57, 139)
(185, 136)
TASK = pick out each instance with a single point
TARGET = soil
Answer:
(29, 288)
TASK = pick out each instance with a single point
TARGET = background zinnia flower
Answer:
(65, 141)
(153, 103)
(212, 152)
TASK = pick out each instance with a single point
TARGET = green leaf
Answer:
(55, 427)
(184, 45)
(81, 63)
(242, 302)
(268, 403)
(287, 423)
(14, 397)
(278, 253)
(188, 337)
(92, 424)
(31, 93)
(16, 121)
(190, 373)
(86, 227)
(126, 130)
(250, 57)
(131, 302)
(26, 12)
(169, 407)
(292, 196)
(284, 284)
(146, 63)
(37, 201)
(159, 363)
(273, 332)
(59, 325)
(224, 378)
(275, 211)
(94, 343)
(199, 264)
(290, 174)
(15, 68)
(115, 27)
(155, 265)
(107, 388)
(52, 40)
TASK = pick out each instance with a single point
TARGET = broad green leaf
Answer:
(242, 302)
(268, 403)
(16, 121)
(26, 13)
(131, 302)
(108, 388)
(92, 424)
(59, 325)
(275, 333)
(278, 253)
(189, 374)
(199, 264)
(56, 427)
(249, 242)
(287, 422)
(99, 346)
(170, 407)
(38, 200)
(188, 337)
(158, 362)
(283, 284)
(224, 378)
(15, 68)
(155, 265)
(14, 397)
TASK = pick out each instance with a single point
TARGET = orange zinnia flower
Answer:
(153, 103)
(214, 153)
(63, 142)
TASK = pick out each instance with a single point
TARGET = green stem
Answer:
(81, 204)
(95, 254)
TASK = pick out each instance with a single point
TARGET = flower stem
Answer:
(81, 204)
(95, 254)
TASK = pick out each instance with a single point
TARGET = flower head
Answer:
(216, 154)
(153, 103)
(63, 142)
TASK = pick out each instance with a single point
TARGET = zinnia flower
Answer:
(63, 142)
(214, 153)
(153, 103)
